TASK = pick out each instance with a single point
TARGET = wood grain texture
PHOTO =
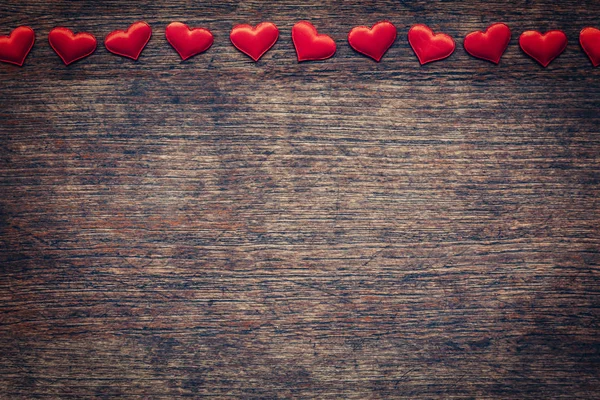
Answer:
(336, 229)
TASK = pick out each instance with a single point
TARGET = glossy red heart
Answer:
(15, 47)
(310, 45)
(429, 46)
(130, 42)
(543, 47)
(373, 42)
(188, 42)
(488, 45)
(589, 38)
(254, 41)
(71, 47)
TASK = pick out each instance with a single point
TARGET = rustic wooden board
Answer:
(337, 229)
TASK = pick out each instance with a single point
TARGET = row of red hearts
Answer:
(255, 41)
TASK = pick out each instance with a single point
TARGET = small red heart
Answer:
(429, 46)
(71, 47)
(188, 42)
(373, 42)
(254, 41)
(15, 47)
(488, 45)
(130, 42)
(589, 38)
(310, 45)
(543, 48)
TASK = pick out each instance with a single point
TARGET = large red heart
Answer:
(373, 42)
(15, 47)
(488, 45)
(543, 47)
(589, 38)
(130, 42)
(429, 46)
(254, 41)
(310, 45)
(188, 42)
(71, 47)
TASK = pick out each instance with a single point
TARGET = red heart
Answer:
(543, 48)
(129, 43)
(589, 38)
(309, 44)
(429, 46)
(373, 42)
(71, 47)
(488, 45)
(15, 47)
(188, 42)
(254, 41)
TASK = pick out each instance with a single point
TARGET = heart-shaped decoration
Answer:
(310, 45)
(15, 47)
(130, 42)
(373, 42)
(71, 47)
(488, 45)
(188, 42)
(429, 46)
(589, 38)
(543, 48)
(254, 41)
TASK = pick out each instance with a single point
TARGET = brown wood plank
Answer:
(336, 229)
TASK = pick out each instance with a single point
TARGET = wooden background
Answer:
(336, 229)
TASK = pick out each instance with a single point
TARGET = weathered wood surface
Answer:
(337, 229)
